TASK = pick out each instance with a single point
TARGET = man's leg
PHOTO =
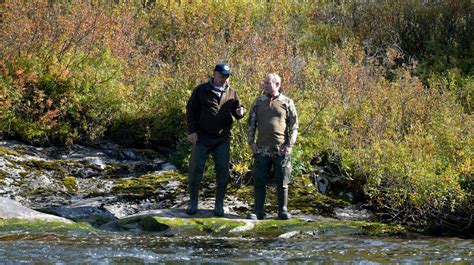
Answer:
(221, 154)
(199, 155)
(282, 169)
(261, 174)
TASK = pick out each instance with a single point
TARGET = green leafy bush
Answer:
(58, 105)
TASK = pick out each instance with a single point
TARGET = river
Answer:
(100, 247)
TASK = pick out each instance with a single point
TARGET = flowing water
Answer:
(99, 247)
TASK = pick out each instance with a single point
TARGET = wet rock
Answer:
(168, 167)
(96, 162)
(12, 209)
(86, 173)
(93, 185)
(176, 222)
(96, 216)
(31, 173)
(41, 181)
(322, 182)
(289, 234)
(150, 224)
(354, 213)
(172, 185)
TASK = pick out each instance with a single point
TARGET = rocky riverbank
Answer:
(117, 188)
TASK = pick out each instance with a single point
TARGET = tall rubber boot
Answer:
(259, 210)
(193, 200)
(219, 203)
(282, 196)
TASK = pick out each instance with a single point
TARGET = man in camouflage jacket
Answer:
(273, 116)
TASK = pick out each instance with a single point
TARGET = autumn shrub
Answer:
(403, 144)
(52, 104)
(64, 72)
(437, 34)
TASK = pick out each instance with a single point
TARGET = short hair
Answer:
(274, 78)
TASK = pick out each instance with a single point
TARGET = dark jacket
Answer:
(211, 116)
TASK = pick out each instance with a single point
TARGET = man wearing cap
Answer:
(273, 117)
(209, 114)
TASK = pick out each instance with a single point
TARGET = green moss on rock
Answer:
(147, 184)
(275, 228)
(70, 183)
(180, 226)
(245, 194)
(377, 229)
(40, 225)
(6, 151)
(199, 225)
(303, 195)
(3, 175)
(257, 229)
(57, 166)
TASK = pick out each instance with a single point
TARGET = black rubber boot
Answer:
(259, 211)
(219, 203)
(193, 200)
(282, 196)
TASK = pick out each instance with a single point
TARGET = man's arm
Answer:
(252, 127)
(238, 110)
(192, 116)
(292, 126)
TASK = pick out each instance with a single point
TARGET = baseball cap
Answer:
(223, 69)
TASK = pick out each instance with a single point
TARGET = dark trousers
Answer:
(282, 171)
(199, 155)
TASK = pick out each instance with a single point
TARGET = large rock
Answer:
(176, 222)
(84, 210)
(12, 209)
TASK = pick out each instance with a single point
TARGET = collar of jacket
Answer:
(216, 88)
(274, 97)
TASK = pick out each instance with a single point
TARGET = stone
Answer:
(13, 209)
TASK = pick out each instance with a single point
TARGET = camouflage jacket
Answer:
(276, 121)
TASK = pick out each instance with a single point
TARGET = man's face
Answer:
(220, 79)
(271, 88)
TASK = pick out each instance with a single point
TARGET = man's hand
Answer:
(240, 111)
(254, 148)
(193, 138)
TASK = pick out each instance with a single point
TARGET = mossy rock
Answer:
(200, 225)
(377, 229)
(179, 226)
(245, 193)
(56, 166)
(303, 195)
(3, 175)
(6, 151)
(271, 228)
(70, 183)
(41, 225)
(277, 228)
(148, 184)
(152, 225)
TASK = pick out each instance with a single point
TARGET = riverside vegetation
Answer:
(384, 90)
